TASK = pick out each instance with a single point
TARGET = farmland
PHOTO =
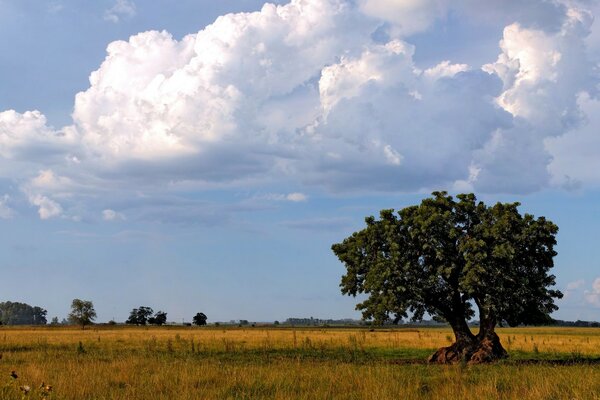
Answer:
(104, 362)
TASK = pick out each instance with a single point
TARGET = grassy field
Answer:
(287, 363)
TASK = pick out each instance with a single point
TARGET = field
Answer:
(289, 363)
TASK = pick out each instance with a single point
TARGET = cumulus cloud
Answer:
(121, 9)
(542, 73)
(593, 296)
(27, 135)
(407, 16)
(309, 92)
(47, 208)
(575, 159)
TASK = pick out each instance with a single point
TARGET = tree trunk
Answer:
(473, 349)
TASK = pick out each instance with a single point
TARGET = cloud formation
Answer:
(121, 9)
(593, 296)
(325, 93)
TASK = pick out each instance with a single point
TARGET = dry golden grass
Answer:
(257, 363)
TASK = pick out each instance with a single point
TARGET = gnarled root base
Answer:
(476, 351)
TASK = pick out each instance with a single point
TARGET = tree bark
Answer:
(484, 347)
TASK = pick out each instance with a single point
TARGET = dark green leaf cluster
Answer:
(446, 256)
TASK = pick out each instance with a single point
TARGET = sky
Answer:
(205, 155)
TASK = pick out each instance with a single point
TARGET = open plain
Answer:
(119, 362)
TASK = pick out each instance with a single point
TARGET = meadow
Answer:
(103, 362)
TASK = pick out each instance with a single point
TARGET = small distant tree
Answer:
(140, 316)
(199, 319)
(160, 318)
(82, 312)
(54, 321)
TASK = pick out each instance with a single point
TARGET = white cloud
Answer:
(296, 197)
(112, 215)
(575, 284)
(121, 9)
(407, 16)
(47, 180)
(575, 155)
(22, 135)
(445, 69)
(304, 92)
(593, 296)
(5, 211)
(47, 208)
(543, 73)
(154, 96)
(573, 287)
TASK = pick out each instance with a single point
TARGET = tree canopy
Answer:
(199, 319)
(447, 258)
(82, 312)
(143, 315)
(140, 316)
(15, 313)
(160, 318)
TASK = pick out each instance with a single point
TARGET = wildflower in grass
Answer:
(25, 389)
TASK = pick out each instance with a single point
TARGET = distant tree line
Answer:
(82, 313)
(21, 314)
(578, 323)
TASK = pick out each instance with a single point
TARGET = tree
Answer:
(160, 318)
(199, 319)
(446, 257)
(82, 312)
(14, 313)
(139, 316)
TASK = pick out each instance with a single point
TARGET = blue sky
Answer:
(203, 156)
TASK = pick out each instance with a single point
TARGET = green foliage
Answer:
(143, 316)
(160, 318)
(140, 316)
(445, 256)
(199, 319)
(82, 312)
(14, 313)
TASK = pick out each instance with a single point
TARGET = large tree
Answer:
(82, 312)
(447, 258)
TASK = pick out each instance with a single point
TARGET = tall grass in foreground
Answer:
(256, 363)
